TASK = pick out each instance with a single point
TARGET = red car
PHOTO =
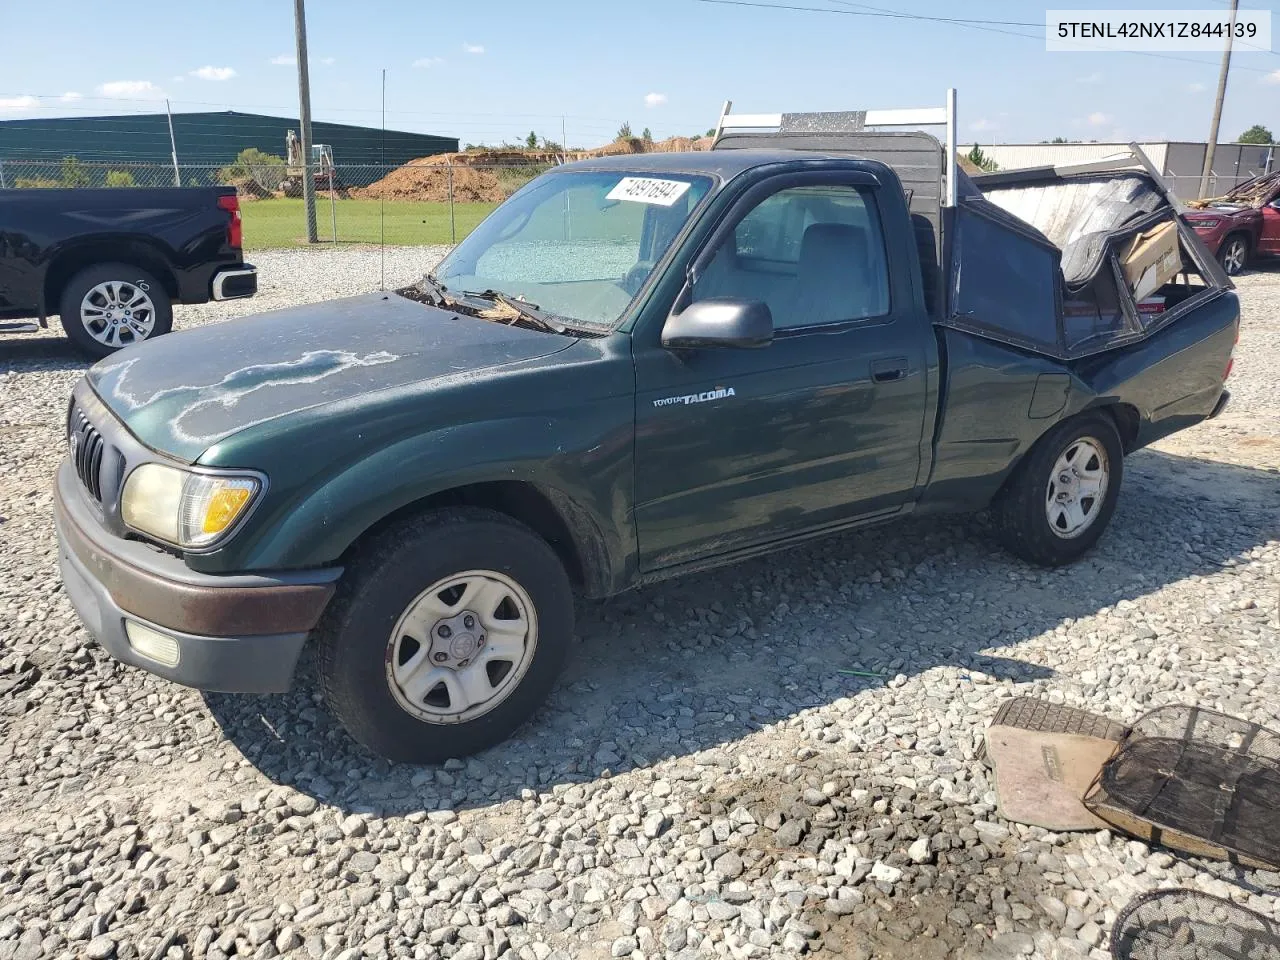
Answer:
(1241, 225)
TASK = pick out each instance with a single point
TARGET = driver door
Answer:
(736, 447)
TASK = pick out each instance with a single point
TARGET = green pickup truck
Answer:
(636, 367)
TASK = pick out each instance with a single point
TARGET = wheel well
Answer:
(519, 500)
(1127, 420)
(134, 252)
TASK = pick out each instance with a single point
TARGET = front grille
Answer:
(87, 449)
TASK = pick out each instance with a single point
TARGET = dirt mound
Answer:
(479, 176)
(680, 145)
(630, 145)
(248, 188)
(490, 176)
(429, 182)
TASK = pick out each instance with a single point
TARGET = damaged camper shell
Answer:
(636, 367)
(1036, 257)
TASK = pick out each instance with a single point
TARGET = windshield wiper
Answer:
(430, 285)
(528, 311)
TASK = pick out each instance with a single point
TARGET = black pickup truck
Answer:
(112, 262)
(636, 367)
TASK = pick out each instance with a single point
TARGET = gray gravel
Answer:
(704, 782)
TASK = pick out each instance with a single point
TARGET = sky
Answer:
(495, 70)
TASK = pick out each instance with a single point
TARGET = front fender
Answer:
(583, 467)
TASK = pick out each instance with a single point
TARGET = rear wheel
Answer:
(113, 305)
(447, 636)
(1061, 498)
(1234, 254)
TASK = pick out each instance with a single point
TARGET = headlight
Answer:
(188, 509)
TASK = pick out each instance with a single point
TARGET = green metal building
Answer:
(201, 138)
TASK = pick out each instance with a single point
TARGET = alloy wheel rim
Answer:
(1234, 258)
(1077, 488)
(461, 647)
(117, 313)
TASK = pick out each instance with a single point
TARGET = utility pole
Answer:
(1212, 145)
(173, 145)
(304, 118)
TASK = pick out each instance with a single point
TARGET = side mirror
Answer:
(719, 322)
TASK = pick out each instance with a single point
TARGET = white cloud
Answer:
(142, 89)
(1097, 119)
(652, 100)
(473, 48)
(327, 61)
(213, 73)
(425, 63)
(1094, 77)
(982, 123)
(1196, 88)
(284, 60)
(18, 103)
(70, 97)
(1273, 77)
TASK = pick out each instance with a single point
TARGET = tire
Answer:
(1033, 520)
(381, 682)
(1234, 254)
(113, 305)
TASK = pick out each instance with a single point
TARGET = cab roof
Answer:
(721, 164)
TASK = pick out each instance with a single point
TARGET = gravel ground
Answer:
(704, 782)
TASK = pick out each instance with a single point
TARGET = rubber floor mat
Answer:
(1045, 757)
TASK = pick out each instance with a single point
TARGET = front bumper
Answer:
(240, 633)
(235, 283)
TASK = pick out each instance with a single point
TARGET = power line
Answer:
(973, 23)
(965, 23)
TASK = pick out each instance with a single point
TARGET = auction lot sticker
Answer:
(648, 190)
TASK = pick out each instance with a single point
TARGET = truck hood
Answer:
(182, 393)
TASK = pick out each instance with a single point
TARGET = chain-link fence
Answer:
(428, 201)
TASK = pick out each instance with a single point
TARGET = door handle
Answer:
(887, 371)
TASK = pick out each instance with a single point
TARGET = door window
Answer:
(815, 255)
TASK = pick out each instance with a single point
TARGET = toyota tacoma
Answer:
(636, 367)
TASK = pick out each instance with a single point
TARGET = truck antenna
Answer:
(382, 201)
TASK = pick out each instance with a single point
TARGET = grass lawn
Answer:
(281, 222)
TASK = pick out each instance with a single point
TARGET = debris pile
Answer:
(1251, 193)
(1187, 778)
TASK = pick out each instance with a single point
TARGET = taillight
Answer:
(235, 230)
(1231, 358)
(1230, 363)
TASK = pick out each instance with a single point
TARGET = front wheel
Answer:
(1234, 254)
(448, 634)
(1061, 497)
(113, 305)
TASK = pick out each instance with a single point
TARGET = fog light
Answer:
(152, 644)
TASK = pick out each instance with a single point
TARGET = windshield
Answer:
(578, 245)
